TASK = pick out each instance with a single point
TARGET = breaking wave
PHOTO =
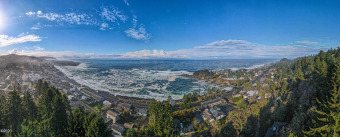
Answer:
(154, 79)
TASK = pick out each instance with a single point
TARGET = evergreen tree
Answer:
(131, 133)
(58, 116)
(98, 128)
(13, 110)
(29, 108)
(76, 123)
(2, 112)
(45, 103)
(88, 119)
(327, 122)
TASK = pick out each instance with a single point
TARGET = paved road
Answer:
(265, 72)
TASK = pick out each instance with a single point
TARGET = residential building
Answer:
(107, 103)
(142, 111)
(112, 115)
(213, 102)
(84, 97)
(207, 116)
(128, 125)
(117, 128)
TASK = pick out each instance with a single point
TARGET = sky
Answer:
(162, 29)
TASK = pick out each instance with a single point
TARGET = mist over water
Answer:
(150, 78)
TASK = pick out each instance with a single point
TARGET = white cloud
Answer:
(39, 12)
(147, 54)
(113, 15)
(233, 49)
(38, 48)
(242, 49)
(139, 34)
(126, 2)
(307, 42)
(30, 13)
(6, 40)
(13, 51)
(62, 54)
(72, 18)
(40, 26)
(106, 19)
(104, 26)
(301, 46)
(229, 42)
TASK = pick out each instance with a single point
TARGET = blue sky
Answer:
(192, 29)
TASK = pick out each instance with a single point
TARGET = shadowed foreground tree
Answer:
(50, 117)
(328, 117)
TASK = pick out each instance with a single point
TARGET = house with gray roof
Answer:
(117, 128)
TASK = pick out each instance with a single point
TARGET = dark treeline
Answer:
(310, 105)
(47, 113)
(313, 108)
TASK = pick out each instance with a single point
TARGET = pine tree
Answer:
(13, 110)
(76, 123)
(59, 116)
(98, 128)
(328, 117)
(2, 113)
(336, 74)
(29, 108)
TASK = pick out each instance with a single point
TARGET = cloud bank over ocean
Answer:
(217, 49)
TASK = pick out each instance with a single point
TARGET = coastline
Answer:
(140, 97)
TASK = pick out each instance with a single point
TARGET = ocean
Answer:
(150, 78)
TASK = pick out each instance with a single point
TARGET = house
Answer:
(252, 93)
(265, 85)
(73, 89)
(71, 97)
(101, 99)
(128, 125)
(274, 130)
(142, 111)
(172, 102)
(186, 130)
(237, 95)
(213, 102)
(107, 103)
(207, 116)
(216, 112)
(79, 94)
(125, 106)
(246, 96)
(112, 115)
(117, 128)
(84, 97)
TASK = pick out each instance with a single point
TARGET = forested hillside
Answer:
(47, 113)
(312, 107)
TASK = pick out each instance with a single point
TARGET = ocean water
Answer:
(150, 78)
